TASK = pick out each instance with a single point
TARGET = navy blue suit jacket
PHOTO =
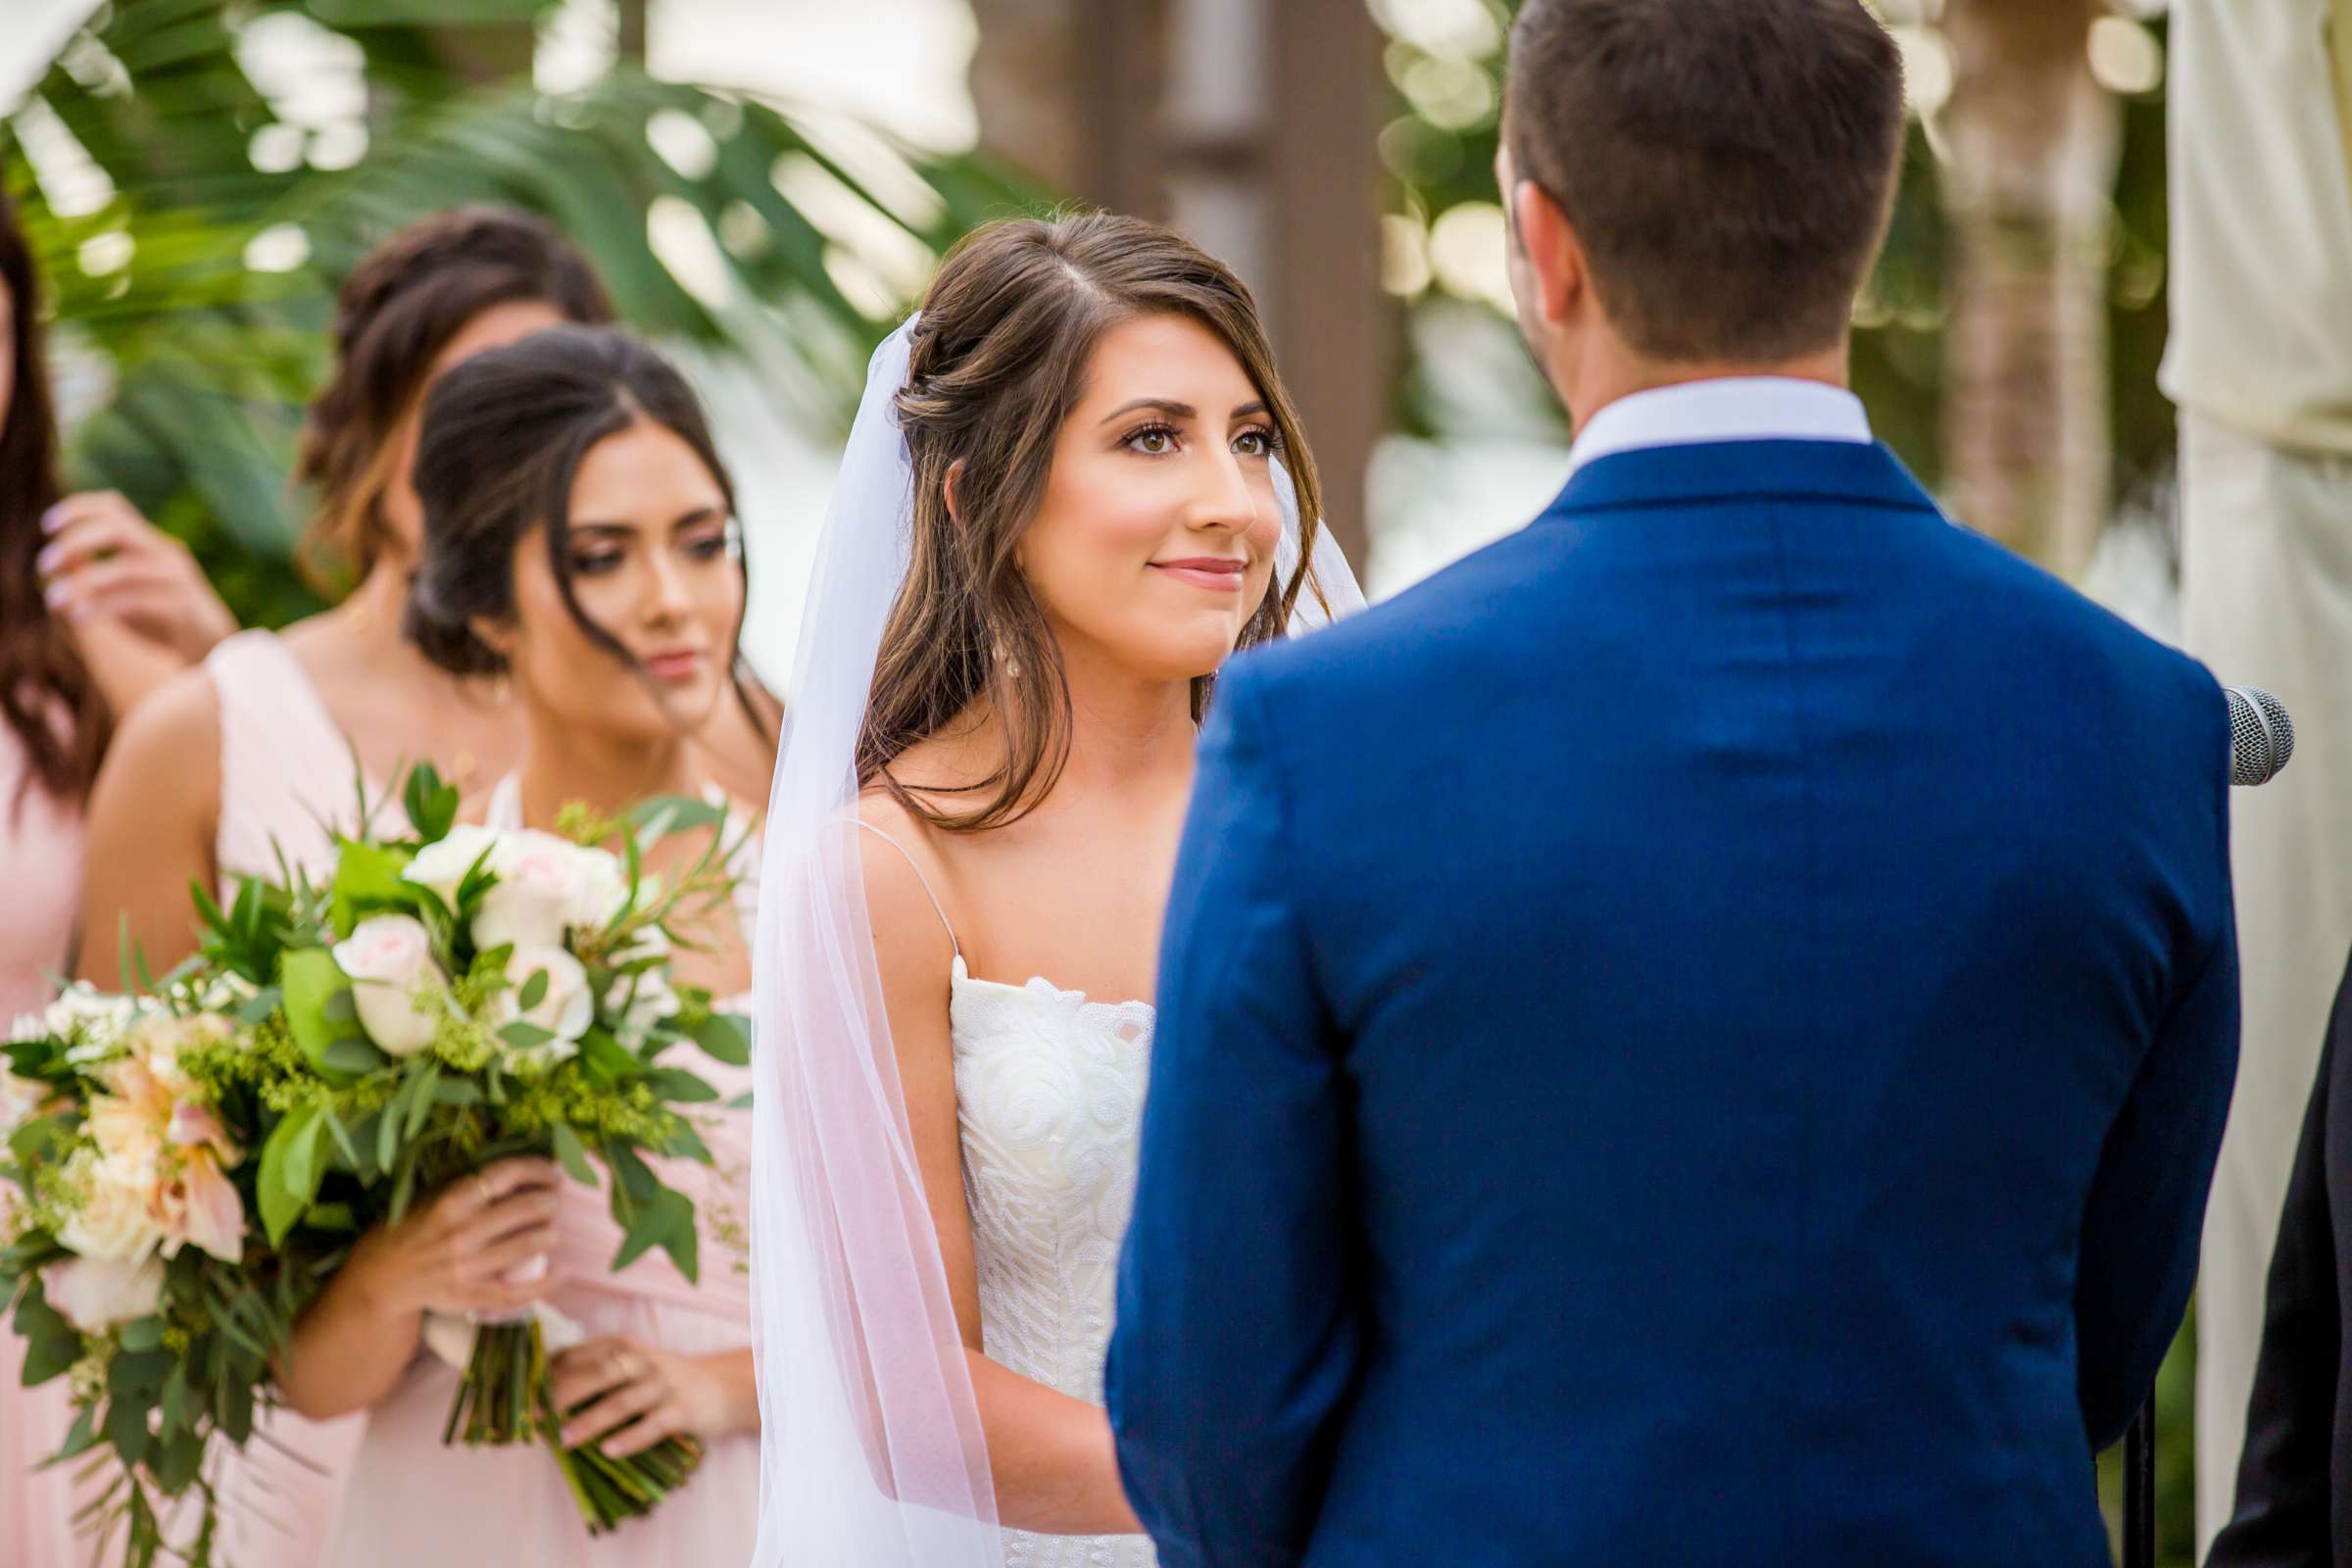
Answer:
(1698, 1035)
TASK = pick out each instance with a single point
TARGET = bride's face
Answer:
(1155, 539)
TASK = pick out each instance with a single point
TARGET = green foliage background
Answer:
(208, 362)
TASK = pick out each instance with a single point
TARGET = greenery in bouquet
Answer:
(129, 1259)
(190, 1166)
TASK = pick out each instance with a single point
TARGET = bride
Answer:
(1074, 491)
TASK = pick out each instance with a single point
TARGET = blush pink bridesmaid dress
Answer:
(288, 781)
(40, 867)
(510, 1505)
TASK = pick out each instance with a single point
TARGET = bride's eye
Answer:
(1259, 441)
(594, 562)
(1153, 440)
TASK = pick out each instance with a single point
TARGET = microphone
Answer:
(2261, 736)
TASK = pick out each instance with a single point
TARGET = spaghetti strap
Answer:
(921, 880)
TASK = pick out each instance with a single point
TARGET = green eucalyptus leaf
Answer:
(368, 881)
(666, 1221)
(573, 1156)
(724, 1037)
(679, 1086)
(80, 1439)
(420, 1099)
(358, 1057)
(49, 1355)
(290, 1171)
(175, 1460)
(126, 1428)
(432, 805)
(309, 978)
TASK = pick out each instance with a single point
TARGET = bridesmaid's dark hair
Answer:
(503, 439)
(399, 309)
(47, 695)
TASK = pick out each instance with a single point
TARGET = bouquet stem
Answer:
(507, 1395)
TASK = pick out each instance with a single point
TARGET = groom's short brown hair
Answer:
(1728, 165)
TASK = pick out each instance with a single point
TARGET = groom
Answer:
(1698, 1035)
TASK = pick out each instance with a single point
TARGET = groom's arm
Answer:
(2147, 1209)
(1237, 1335)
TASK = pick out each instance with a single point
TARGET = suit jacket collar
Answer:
(1743, 470)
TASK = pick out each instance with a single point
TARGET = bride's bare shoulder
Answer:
(907, 879)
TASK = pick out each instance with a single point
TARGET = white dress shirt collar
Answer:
(1757, 408)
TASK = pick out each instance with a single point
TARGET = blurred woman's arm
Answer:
(150, 826)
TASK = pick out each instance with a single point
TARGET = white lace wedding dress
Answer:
(1050, 1095)
(1049, 1098)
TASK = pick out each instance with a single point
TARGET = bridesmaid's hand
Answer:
(483, 1247)
(634, 1395)
(104, 562)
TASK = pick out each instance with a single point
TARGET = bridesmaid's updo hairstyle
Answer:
(502, 442)
(394, 314)
(996, 363)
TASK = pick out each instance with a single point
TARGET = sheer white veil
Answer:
(871, 1451)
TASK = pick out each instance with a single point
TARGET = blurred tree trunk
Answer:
(1270, 163)
(1073, 92)
(484, 53)
(2029, 198)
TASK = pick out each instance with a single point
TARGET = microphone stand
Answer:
(2140, 1488)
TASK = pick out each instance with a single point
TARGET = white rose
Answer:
(566, 1008)
(601, 890)
(389, 959)
(114, 1216)
(94, 1294)
(653, 1001)
(442, 866)
(540, 884)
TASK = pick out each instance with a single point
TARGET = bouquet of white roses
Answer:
(193, 1168)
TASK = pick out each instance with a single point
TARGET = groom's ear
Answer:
(1556, 259)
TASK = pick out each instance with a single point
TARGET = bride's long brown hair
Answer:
(995, 365)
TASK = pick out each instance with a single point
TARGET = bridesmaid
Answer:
(255, 752)
(62, 681)
(578, 542)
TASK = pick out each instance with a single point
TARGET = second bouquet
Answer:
(466, 995)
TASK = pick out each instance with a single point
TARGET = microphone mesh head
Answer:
(2261, 736)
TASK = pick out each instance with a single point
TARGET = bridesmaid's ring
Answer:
(481, 1185)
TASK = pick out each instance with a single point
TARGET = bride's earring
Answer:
(1013, 665)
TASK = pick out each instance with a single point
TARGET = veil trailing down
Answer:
(873, 1451)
